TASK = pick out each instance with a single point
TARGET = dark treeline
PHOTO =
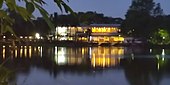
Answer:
(145, 19)
(86, 18)
(22, 27)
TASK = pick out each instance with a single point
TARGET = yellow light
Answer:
(16, 53)
(30, 37)
(21, 51)
(3, 53)
(30, 51)
(158, 66)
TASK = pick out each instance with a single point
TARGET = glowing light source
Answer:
(4, 37)
(163, 37)
(150, 50)
(37, 36)
(30, 37)
(61, 31)
(163, 51)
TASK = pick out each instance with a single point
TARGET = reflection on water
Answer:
(70, 56)
(106, 57)
(21, 51)
(99, 56)
(44, 65)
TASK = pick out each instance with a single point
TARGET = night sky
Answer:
(113, 8)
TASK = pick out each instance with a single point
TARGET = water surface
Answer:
(52, 65)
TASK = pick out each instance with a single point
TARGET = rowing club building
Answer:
(94, 33)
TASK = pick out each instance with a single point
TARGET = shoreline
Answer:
(82, 44)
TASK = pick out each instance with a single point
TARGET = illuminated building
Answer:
(105, 33)
(100, 33)
(67, 33)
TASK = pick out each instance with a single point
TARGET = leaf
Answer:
(23, 12)
(46, 18)
(58, 2)
(10, 6)
(68, 9)
(30, 7)
(2, 13)
(5, 17)
(11, 1)
(40, 2)
(1, 3)
(9, 29)
(44, 13)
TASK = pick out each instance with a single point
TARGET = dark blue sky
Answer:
(113, 8)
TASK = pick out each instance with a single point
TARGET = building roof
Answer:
(104, 25)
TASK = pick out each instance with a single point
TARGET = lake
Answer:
(52, 65)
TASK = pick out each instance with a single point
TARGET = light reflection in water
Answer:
(152, 69)
(41, 51)
(99, 56)
(163, 51)
(60, 57)
(3, 52)
(30, 51)
(161, 60)
(106, 57)
(90, 52)
(70, 56)
(25, 51)
(21, 51)
(16, 53)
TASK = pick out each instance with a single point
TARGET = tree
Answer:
(158, 11)
(160, 37)
(27, 11)
(142, 5)
(137, 24)
(140, 18)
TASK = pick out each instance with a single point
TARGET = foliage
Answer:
(160, 37)
(158, 11)
(84, 18)
(4, 75)
(142, 5)
(39, 25)
(27, 11)
(141, 18)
